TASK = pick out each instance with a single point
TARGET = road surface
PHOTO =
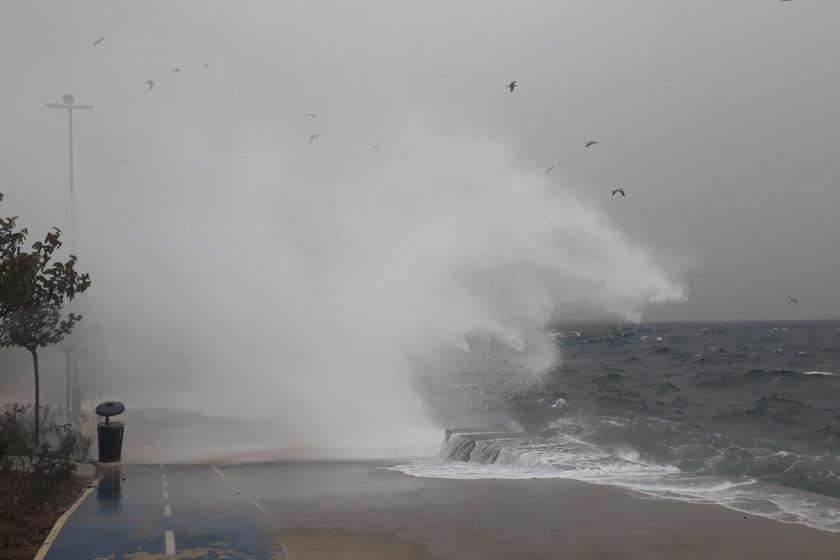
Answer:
(140, 512)
(362, 511)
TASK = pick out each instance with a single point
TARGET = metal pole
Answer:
(74, 397)
(71, 369)
(67, 396)
(69, 105)
(72, 183)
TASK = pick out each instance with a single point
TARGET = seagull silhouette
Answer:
(207, 66)
(512, 86)
(619, 191)
(97, 41)
(310, 116)
(375, 146)
(176, 69)
(792, 299)
(313, 137)
(151, 84)
(591, 143)
(548, 171)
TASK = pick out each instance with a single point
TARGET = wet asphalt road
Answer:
(143, 512)
(360, 511)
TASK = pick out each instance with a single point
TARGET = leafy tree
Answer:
(33, 289)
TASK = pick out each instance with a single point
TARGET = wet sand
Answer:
(359, 511)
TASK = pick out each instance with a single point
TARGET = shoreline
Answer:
(298, 457)
(750, 496)
(361, 510)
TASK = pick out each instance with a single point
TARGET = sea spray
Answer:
(304, 285)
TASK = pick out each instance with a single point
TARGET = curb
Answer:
(59, 524)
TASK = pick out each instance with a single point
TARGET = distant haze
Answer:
(239, 268)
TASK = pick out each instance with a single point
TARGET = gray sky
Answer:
(726, 111)
(227, 234)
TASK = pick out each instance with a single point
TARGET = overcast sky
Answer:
(241, 269)
(727, 112)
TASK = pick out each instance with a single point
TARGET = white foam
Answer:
(564, 334)
(818, 373)
(567, 457)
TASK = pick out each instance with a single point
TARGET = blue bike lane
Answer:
(147, 512)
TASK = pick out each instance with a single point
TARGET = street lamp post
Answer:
(70, 362)
(68, 104)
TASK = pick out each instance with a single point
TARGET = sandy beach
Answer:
(361, 511)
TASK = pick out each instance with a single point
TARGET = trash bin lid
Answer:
(110, 408)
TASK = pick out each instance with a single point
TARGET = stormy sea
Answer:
(746, 415)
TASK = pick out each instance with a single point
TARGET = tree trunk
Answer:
(37, 402)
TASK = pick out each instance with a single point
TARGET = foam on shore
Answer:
(479, 455)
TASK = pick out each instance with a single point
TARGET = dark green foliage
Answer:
(28, 474)
(33, 290)
(32, 278)
(35, 326)
(15, 440)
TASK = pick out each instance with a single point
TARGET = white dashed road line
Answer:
(168, 536)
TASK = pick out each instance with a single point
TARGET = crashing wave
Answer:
(480, 454)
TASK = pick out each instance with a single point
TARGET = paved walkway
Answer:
(148, 512)
(360, 511)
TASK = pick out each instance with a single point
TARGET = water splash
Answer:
(480, 455)
(301, 284)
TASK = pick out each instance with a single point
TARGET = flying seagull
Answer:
(375, 146)
(548, 171)
(591, 143)
(98, 41)
(122, 161)
(619, 191)
(207, 66)
(792, 299)
(313, 137)
(176, 69)
(512, 86)
(310, 116)
(151, 84)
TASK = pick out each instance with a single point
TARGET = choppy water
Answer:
(742, 414)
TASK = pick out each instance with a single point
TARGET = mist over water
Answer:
(353, 295)
(303, 284)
